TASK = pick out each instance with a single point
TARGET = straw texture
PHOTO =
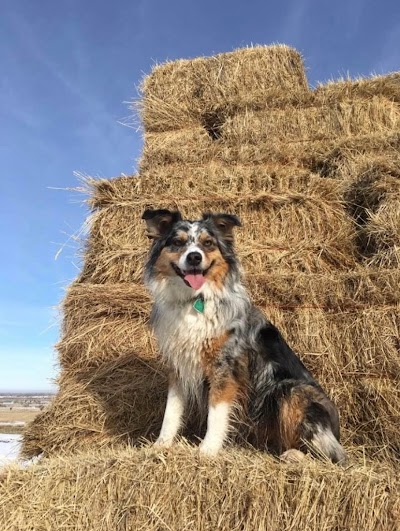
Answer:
(314, 177)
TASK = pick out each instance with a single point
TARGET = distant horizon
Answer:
(28, 392)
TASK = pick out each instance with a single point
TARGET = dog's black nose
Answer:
(194, 259)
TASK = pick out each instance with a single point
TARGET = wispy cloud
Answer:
(34, 48)
(95, 124)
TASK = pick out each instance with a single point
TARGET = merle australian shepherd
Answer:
(220, 349)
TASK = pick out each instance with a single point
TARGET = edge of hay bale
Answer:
(153, 490)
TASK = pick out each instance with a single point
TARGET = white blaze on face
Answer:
(193, 248)
(195, 280)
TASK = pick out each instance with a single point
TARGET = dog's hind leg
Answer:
(308, 421)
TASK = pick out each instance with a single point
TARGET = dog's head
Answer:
(190, 254)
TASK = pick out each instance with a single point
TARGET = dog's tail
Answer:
(324, 443)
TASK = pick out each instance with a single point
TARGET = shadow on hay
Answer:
(131, 393)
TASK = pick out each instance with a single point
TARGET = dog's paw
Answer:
(163, 443)
(292, 456)
(208, 450)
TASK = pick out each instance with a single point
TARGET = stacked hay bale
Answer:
(314, 177)
(140, 489)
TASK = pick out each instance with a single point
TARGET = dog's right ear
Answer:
(159, 222)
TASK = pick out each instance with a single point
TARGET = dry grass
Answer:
(367, 88)
(201, 92)
(340, 120)
(284, 228)
(208, 181)
(149, 490)
(14, 420)
(18, 414)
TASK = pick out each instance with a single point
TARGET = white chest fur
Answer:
(181, 331)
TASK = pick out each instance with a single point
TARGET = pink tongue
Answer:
(195, 281)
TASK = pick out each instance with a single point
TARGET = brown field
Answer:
(16, 415)
(16, 411)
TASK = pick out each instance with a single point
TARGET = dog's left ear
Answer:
(159, 222)
(224, 223)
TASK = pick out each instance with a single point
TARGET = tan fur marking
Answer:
(182, 235)
(266, 434)
(219, 270)
(163, 265)
(204, 236)
(226, 392)
(211, 349)
(290, 417)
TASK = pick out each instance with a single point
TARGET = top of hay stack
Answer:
(189, 92)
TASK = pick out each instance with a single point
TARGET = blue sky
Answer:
(67, 67)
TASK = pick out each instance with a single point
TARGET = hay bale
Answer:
(103, 324)
(380, 237)
(364, 302)
(349, 165)
(342, 159)
(369, 415)
(335, 291)
(100, 405)
(387, 86)
(276, 226)
(374, 182)
(323, 255)
(189, 93)
(189, 146)
(307, 173)
(295, 136)
(113, 389)
(340, 120)
(208, 180)
(111, 407)
(152, 490)
(320, 156)
(332, 343)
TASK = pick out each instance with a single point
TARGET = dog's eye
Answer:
(176, 242)
(207, 243)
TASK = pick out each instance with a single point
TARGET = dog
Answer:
(221, 351)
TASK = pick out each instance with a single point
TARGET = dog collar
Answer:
(198, 304)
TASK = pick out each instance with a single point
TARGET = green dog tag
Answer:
(198, 305)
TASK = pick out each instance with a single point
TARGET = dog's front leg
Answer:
(221, 399)
(173, 414)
